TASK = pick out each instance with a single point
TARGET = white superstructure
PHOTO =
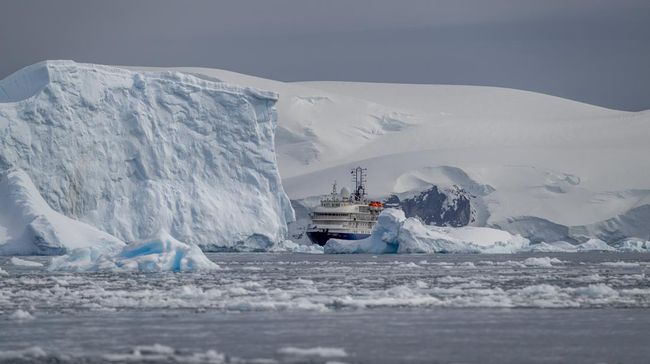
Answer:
(344, 215)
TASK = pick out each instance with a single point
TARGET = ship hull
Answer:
(321, 237)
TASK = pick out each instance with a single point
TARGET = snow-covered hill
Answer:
(539, 165)
(134, 153)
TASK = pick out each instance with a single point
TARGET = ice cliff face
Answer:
(133, 153)
(28, 226)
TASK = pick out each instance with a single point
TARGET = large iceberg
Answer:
(133, 153)
(394, 233)
(160, 254)
(28, 226)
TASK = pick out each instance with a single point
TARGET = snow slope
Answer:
(28, 226)
(545, 167)
(133, 153)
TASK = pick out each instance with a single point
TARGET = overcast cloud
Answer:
(593, 51)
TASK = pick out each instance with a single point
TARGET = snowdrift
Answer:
(28, 226)
(161, 254)
(394, 233)
(133, 153)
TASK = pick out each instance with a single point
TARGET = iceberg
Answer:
(28, 226)
(131, 153)
(553, 247)
(161, 254)
(633, 245)
(394, 233)
(594, 244)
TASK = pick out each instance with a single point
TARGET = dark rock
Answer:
(448, 207)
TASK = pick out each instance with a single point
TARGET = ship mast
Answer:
(359, 179)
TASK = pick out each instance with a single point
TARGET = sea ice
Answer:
(162, 254)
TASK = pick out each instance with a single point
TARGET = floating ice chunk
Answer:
(322, 352)
(26, 355)
(20, 315)
(553, 247)
(620, 264)
(293, 247)
(545, 262)
(633, 245)
(594, 245)
(162, 353)
(597, 291)
(3, 272)
(394, 233)
(25, 263)
(162, 254)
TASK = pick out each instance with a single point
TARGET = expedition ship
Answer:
(344, 215)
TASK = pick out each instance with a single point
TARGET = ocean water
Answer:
(295, 308)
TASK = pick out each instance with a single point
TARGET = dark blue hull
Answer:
(321, 237)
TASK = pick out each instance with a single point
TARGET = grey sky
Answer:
(588, 50)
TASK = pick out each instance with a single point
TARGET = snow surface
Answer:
(132, 153)
(162, 254)
(394, 233)
(553, 169)
(28, 226)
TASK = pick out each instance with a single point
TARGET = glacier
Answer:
(133, 153)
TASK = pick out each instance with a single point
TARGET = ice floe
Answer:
(319, 351)
(21, 315)
(541, 262)
(24, 263)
